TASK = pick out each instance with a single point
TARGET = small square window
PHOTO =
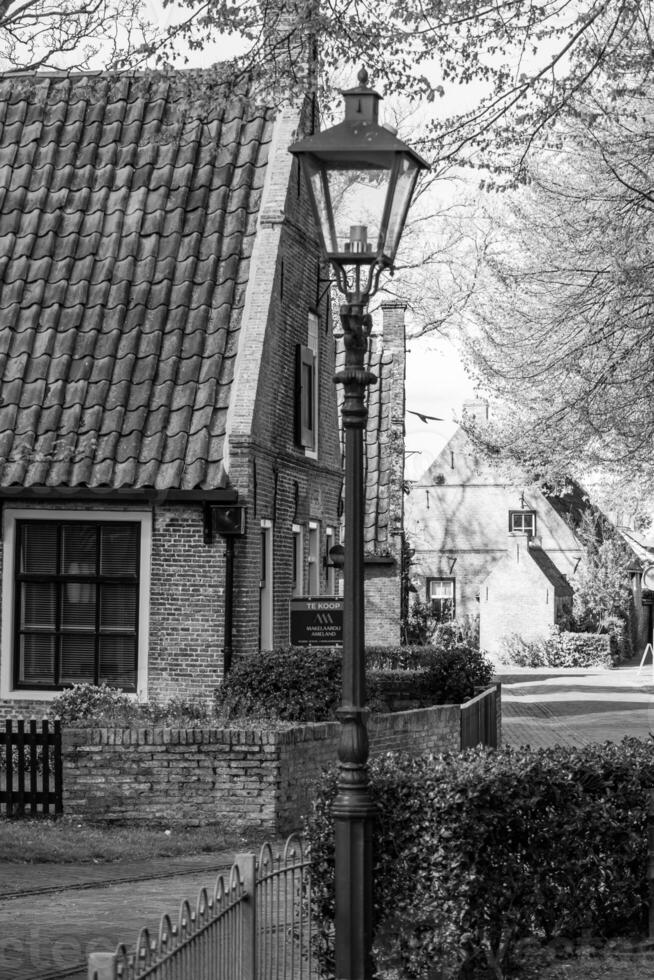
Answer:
(441, 598)
(523, 521)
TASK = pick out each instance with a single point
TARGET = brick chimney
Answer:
(477, 408)
(394, 343)
(393, 326)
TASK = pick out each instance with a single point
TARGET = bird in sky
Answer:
(425, 418)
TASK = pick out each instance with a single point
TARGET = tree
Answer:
(561, 329)
(601, 582)
(70, 34)
(516, 64)
(530, 59)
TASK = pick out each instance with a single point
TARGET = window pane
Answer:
(118, 662)
(77, 660)
(522, 521)
(119, 550)
(118, 607)
(78, 606)
(37, 660)
(442, 590)
(38, 549)
(79, 549)
(38, 605)
(307, 396)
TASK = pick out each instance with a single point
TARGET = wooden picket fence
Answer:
(31, 781)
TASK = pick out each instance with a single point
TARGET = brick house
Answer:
(166, 365)
(491, 547)
(384, 475)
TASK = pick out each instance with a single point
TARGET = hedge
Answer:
(559, 649)
(465, 863)
(304, 683)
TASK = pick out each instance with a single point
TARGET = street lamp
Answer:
(361, 178)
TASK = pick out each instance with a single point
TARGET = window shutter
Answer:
(304, 390)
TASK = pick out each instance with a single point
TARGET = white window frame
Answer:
(308, 422)
(266, 605)
(9, 518)
(297, 585)
(522, 514)
(313, 560)
(446, 586)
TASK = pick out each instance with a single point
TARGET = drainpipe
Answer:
(229, 603)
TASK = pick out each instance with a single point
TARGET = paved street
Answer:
(50, 935)
(575, 706)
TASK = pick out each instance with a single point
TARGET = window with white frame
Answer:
(75, 600)
(266, 587)
(441, 598)
(523, 521)
(307, 388)
(314, 558)
(297, 585)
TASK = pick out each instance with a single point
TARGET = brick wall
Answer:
(382, 603)
(186, 606)
(279, 481)
(253, 779)
(515, 598)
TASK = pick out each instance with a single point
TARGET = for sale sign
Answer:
(316, 622)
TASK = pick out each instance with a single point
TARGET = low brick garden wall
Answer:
(243, 779)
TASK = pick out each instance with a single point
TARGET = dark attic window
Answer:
(76, 603)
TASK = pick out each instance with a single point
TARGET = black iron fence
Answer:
(30, 769)
(479, 720)
(254, 924)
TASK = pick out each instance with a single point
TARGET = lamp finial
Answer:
(362, 77)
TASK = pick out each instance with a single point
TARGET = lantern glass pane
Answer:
(320, 195)
(359, 201)
(405, 183)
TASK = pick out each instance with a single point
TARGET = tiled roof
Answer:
(126, 228)
(377, 461)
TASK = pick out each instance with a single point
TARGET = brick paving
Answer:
(576, 707)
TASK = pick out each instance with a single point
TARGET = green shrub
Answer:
(293, 684)
(398, 658)
(303, 684)
(456, 632)
(88, 701)
(559, 649)
(455, 672)
(465, 868)
(88, 705)
(440, 675)
(419, 624)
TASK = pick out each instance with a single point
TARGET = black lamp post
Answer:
(361, 178)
